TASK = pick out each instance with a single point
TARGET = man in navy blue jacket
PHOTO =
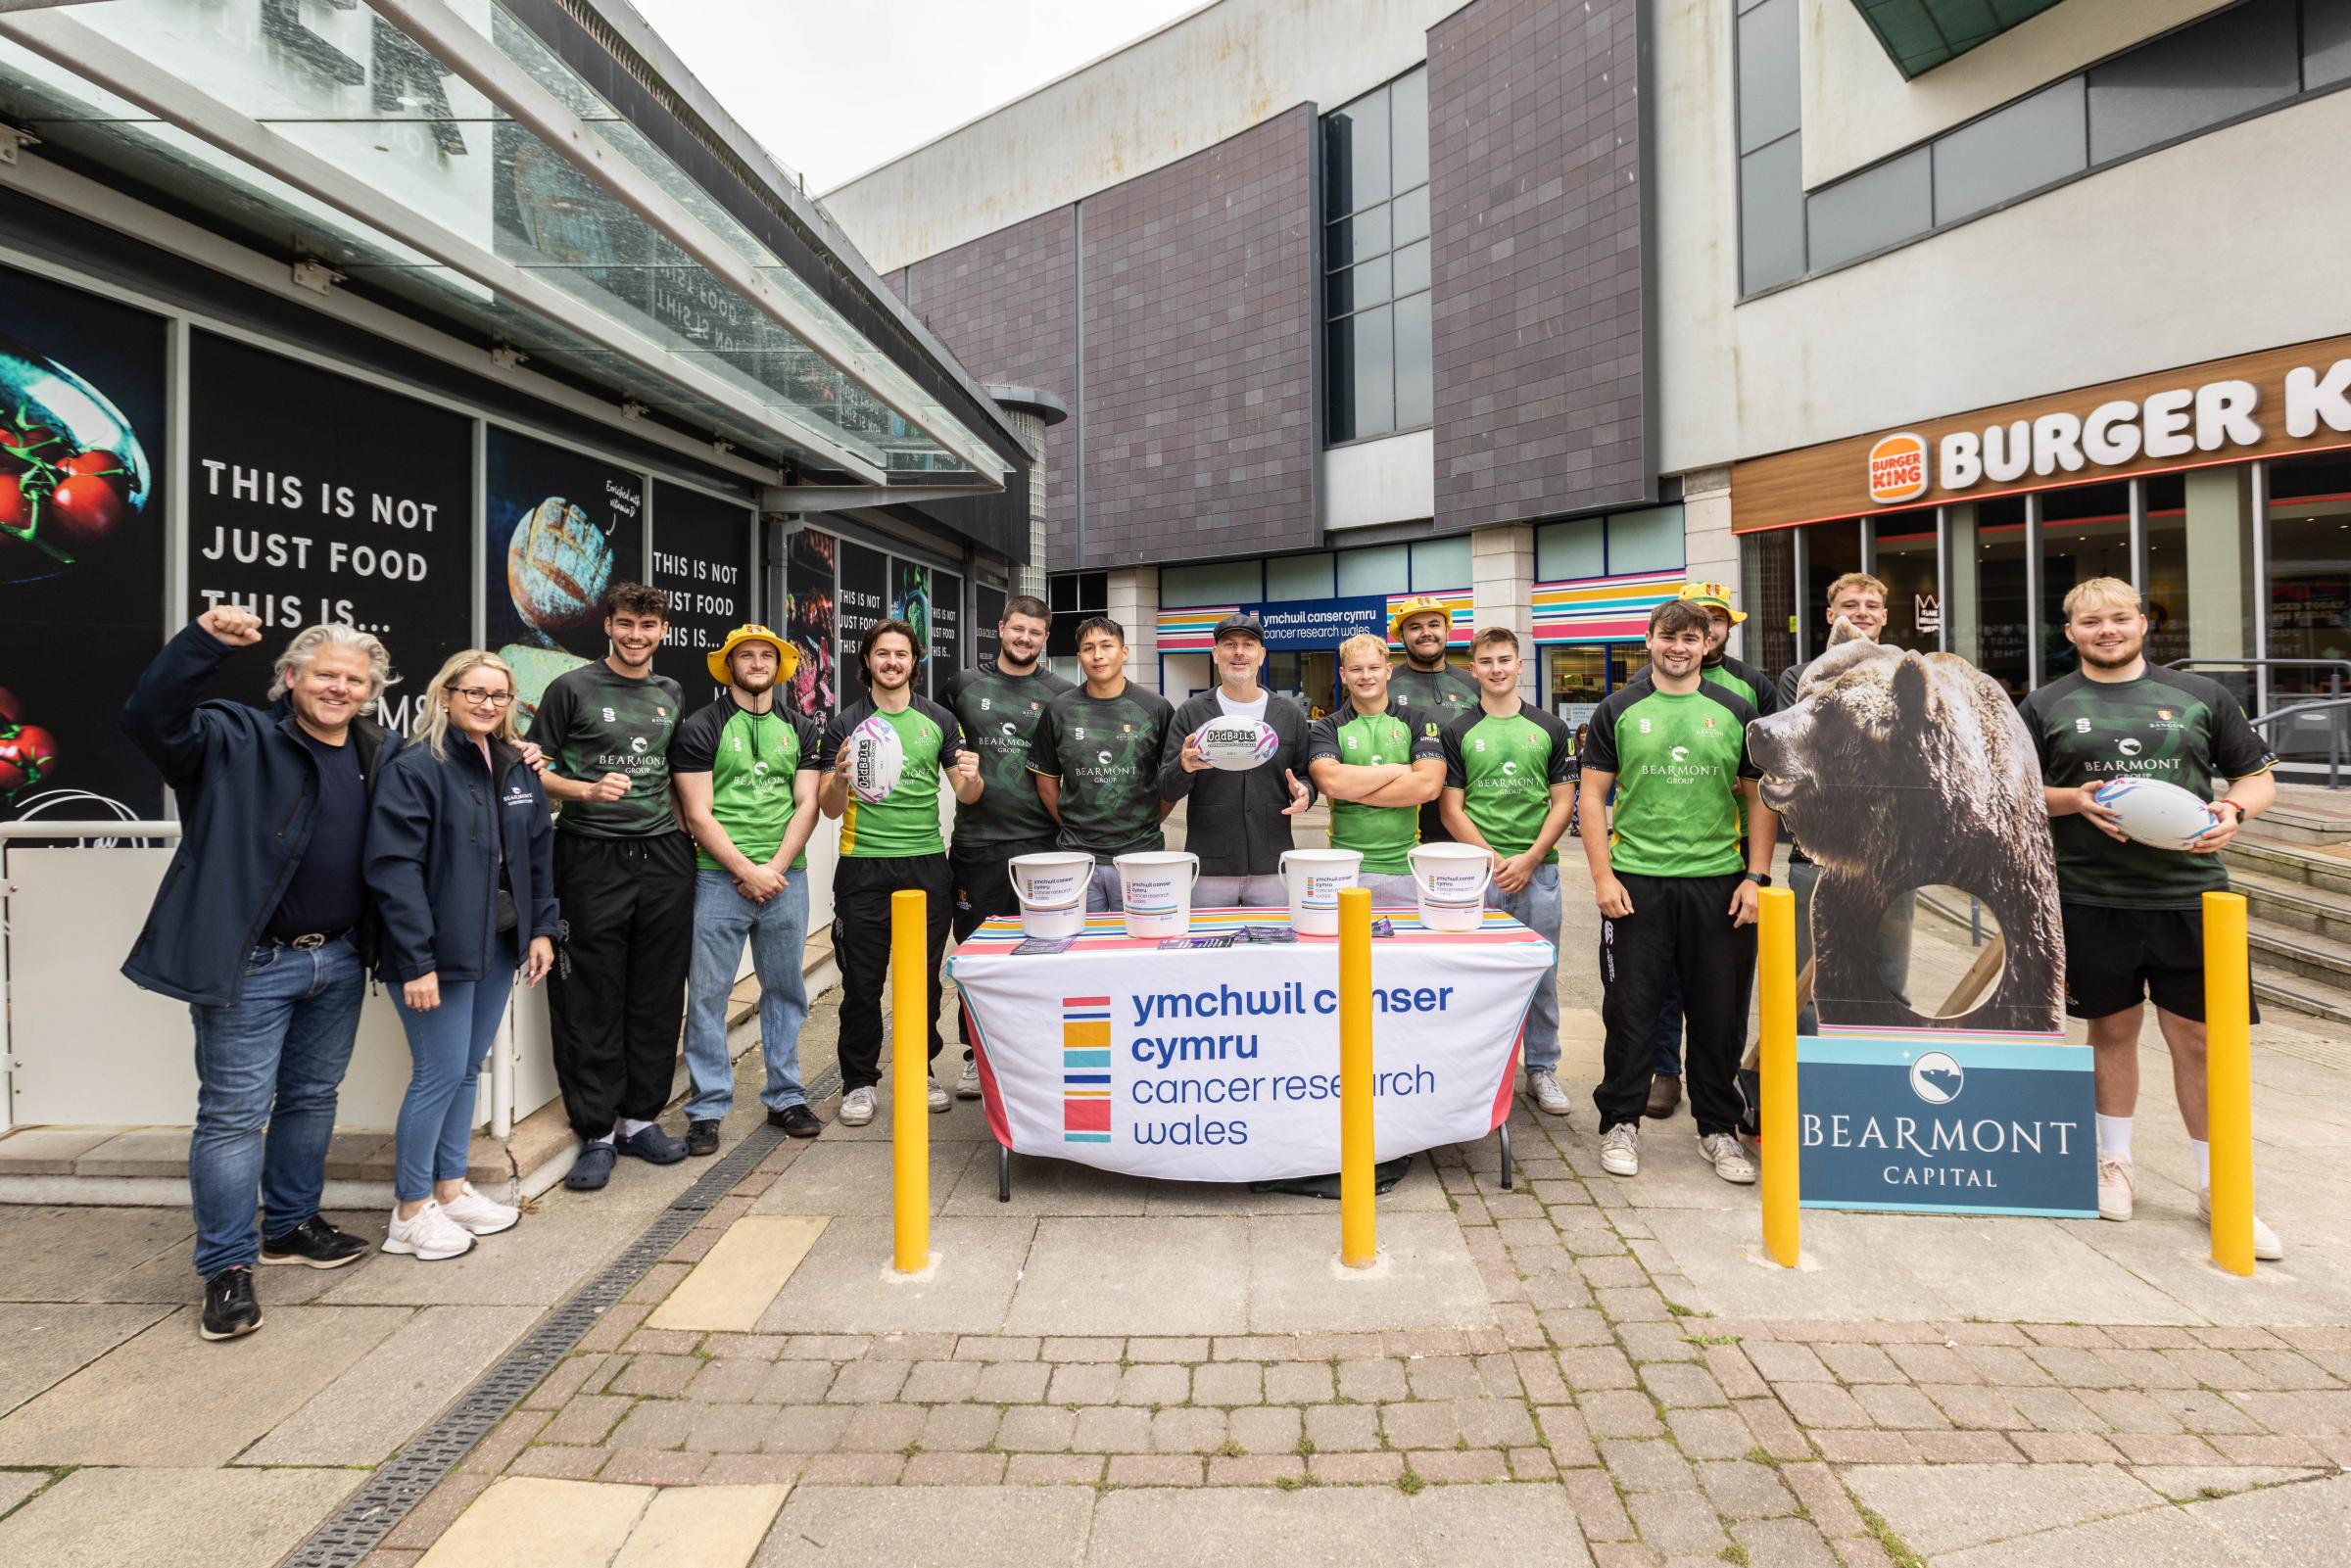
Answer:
(263, 926)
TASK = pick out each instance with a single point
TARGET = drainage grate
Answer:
(369, 1514)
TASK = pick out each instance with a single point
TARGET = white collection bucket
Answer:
(1314, 877)
(1156, 888)
(1450, 881)
(1051, 888)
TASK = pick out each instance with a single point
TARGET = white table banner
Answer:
(1221, 1064)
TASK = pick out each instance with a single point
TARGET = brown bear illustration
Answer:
(1898, 770)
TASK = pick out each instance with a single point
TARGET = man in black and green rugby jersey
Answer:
(1379, 769)
(1677, 904)
(1000, 703)
(1424, 689)
(888, 845)
(1096, 758)
(2134, 914)
(1510, 788)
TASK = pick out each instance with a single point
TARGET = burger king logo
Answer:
(1897, 468)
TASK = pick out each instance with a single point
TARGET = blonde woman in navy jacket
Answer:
(460, 855)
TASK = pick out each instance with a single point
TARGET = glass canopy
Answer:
(1920, 34)
(326, 132)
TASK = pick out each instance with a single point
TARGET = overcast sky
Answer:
(833, 89)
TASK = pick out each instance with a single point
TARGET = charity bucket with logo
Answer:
(1314, 877)
(1156, 889)
(1450, 881)
(1051, 888)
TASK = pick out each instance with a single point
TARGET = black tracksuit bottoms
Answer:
(984, 889)
(1679, 930)
(861, 890)
(617, 998)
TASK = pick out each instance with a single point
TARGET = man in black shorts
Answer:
(2134, 914)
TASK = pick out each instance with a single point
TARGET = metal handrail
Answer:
(2337, 669)
(36, 827)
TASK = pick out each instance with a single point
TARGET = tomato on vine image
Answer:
(72, 470)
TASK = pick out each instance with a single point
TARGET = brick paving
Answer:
(1676, 1436)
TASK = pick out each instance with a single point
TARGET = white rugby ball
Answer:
(1235, 745)
(2154, 813)
(877, 760)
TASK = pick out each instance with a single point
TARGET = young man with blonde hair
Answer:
(2134, 914)
(1379, 767)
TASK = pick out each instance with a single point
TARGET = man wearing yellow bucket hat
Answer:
(745, 772)
(1425, 690)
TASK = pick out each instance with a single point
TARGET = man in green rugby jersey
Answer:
(1379, 769)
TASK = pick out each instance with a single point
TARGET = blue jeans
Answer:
(779, 933)
(446, 1047)
(1537, 904)
(271, 1060)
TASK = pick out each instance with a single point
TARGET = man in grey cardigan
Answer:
(1239, 823)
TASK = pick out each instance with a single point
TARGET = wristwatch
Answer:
(1758, 878)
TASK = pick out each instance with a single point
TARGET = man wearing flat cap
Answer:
(747, 776)
(1239, 824)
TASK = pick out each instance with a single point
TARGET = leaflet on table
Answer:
(1217, 939)
(1045, 944)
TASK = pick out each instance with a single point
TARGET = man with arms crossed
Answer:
(1379, 771)
(746, 773)
(1509, 786)
(263, 928)
(2134, 914)
(1096, 760)
(999, 702)
(624, 876)
(1675, 904)
(1859, 599)
(1240, 821)
(1427, 690)
(886, 845)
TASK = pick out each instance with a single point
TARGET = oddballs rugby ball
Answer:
(2154, 813)
(1235, 745)
(877, 760)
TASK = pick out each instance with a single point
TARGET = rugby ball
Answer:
(2154, 813)
(877, 760)
(1235, 745)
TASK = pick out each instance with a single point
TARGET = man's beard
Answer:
(2093, 654)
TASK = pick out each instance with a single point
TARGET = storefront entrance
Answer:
(1577, 676)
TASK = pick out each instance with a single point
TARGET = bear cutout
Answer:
(1898, 770)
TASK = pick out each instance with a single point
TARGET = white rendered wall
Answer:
(2225, 244)
(1196, 81)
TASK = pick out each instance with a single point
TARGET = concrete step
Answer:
(2282, 901)
(2308, 815)
(2322, 959)
(2326, 870)
(2298, 993)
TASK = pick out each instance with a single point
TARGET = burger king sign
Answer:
(1897, 468)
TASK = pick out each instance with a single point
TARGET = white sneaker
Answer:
(1728, 1157)
(1544, 1085)
(1620, 1149)
(967, 1087)
(857, 1107)
(938, 1096)
(482, 1215)
(429, 1236)
(2115, 1187)
(2266, 1244)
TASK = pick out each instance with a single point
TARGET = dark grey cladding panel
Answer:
(1200, 333)
(1536, 190)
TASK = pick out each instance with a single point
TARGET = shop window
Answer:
(1770, 76)
(1576, 678)
(1211, 583)
(2033, 142)
(2002, 613)
(1296, 576)
(1871, 210)
(2199, 587)
(1376, 257)
(2085, 533)
(2325, 43)
(1441, 565)
(1578, 549)
(1771, 214)
(1646, 540)
(1906, 549)
(2237, 62)
(2310, 594)
(1075, 595)
(1831, 549)
(1383, 569)
(1767, 593)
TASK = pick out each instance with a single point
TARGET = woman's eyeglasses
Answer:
(481, 697)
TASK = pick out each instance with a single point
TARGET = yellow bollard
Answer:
(910, 1080)
(1359, 1227)
(1782, 1184)
(2228, 1080)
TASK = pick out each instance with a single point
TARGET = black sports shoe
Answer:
(229, 1309)
(315, 1243)
(701, 1136)
(797, 1121)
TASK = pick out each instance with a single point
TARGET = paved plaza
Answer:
(1112, 1371)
